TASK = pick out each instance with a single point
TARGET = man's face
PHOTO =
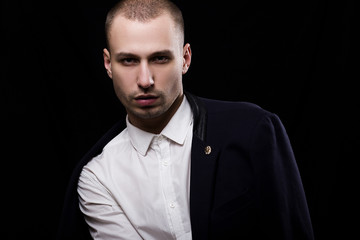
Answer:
(146, 62)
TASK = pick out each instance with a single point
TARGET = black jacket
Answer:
(245, 183)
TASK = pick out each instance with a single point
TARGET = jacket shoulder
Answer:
(234, 109)
(234, 121)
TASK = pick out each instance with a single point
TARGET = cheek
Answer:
(177, 77)
(122, 79)
(122, 86)
(171, 77)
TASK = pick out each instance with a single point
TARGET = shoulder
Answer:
(234, 110)
(118, 146)
(234, 121)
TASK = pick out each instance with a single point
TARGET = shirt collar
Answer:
(175, 130)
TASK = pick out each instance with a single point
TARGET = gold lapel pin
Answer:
(207, 150)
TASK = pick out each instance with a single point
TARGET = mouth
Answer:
(146, 100)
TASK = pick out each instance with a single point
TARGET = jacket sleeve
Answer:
(283, 211)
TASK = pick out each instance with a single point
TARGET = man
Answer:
(184, 167)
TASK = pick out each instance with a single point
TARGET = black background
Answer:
(294, 58)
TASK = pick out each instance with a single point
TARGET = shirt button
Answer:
(165, 163)
(172, 205)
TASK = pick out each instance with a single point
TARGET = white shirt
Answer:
(139, 186)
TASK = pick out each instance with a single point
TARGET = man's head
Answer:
(146, 59)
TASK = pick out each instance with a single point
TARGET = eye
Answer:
(128, 61)
(161, 59)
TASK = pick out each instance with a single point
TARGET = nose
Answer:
(145, 78)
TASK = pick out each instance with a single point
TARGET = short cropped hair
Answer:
(144, 11)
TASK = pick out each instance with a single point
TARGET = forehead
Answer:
(143, 37)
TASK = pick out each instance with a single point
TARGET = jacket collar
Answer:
(200, 116)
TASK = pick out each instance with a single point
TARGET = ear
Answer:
(107, 62)
(186, 58)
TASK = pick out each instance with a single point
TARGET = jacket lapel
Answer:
(203, 168)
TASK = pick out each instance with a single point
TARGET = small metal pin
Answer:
(207, 150)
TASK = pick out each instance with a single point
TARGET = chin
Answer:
(150, 113)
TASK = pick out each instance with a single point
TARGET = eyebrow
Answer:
(125, 55)
(157, 53)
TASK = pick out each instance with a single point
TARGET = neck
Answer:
(157, 124)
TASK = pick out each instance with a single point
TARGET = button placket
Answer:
(164, 151)
(164, 158)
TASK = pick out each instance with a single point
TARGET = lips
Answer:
(146, 100)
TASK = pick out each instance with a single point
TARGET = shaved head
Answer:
(144, 11)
